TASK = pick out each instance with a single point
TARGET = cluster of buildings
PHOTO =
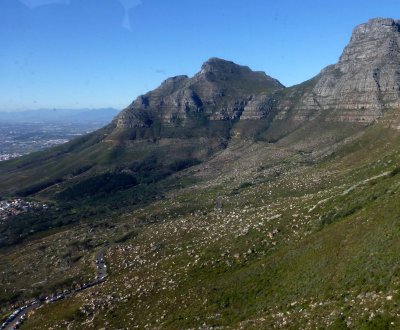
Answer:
(9, 208)
(8, 156)
(17, 139)
(27, 147)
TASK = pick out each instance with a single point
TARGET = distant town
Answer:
(28, 131)
(17, 139)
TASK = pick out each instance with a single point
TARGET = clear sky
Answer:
(100, 53)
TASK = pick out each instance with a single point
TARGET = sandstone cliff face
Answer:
(361, 87)
(220, 91)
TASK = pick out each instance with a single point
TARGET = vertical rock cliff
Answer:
(361, 87)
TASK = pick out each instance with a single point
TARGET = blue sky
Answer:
(100, 53)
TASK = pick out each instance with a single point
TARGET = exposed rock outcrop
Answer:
(360, 87)
(220, 91)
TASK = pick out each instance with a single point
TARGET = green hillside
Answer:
(283, 234)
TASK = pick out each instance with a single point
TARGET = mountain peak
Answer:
(220, 91)
(371, 43)
(364, 84)
(376, 26)
(374, 30)
(218, 65)
(214, 60)
(218, 61)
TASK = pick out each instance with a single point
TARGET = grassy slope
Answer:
(288, 245)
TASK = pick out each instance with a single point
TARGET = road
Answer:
(101, 266)
(22, 313)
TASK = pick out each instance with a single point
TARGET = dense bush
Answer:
(103, 183)
(33, 189)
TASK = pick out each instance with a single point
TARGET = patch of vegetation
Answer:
(395, 171)
(101, 184)
(126, 237)
(335, 215)
(242, 186)
(37, 187)
(378, 322)
(339, 324)
(9, 297)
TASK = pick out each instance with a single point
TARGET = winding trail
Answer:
(348, 190)
(19, 315)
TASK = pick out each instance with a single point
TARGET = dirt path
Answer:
(348, 190)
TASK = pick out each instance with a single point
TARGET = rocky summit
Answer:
(219, 201)
(220, 91)
(361, 87)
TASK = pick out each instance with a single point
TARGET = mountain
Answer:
(224, 200)
(92, 116)
(362, 87)
(182, 122)
(219, 93)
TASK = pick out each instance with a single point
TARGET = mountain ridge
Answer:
(361, 87)
(209, 92)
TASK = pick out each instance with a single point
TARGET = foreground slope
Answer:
(292, 223)
(296, 239)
